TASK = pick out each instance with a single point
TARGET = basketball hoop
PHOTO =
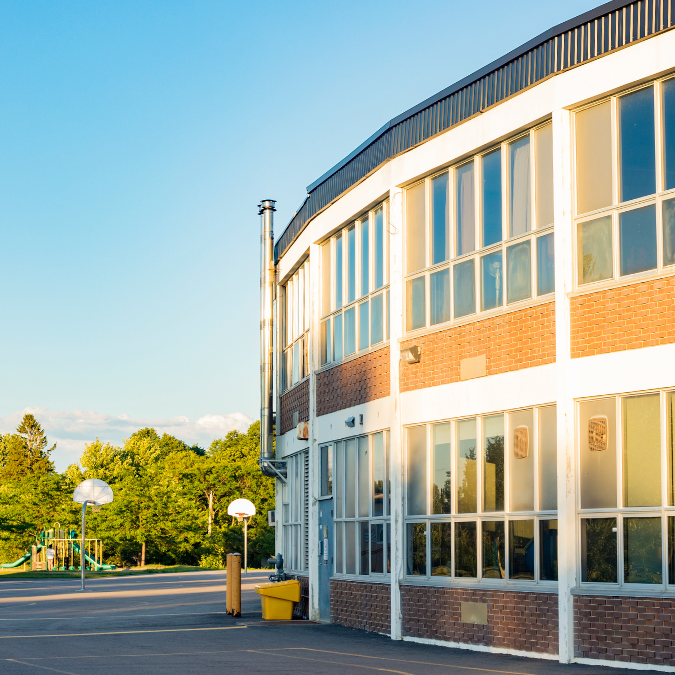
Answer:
(242, 509)
(95, 508)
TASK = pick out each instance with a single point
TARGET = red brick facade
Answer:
(511, 341)
(628, 317)
(636, 630)
(521, 621)
(361, 605)
(353, 382)
(297, 399)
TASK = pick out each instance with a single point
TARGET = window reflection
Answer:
(494, 560)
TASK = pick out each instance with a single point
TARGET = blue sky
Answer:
(136, 140)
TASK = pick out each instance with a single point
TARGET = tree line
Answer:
(170, 498)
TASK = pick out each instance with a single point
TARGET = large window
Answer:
(294, 312)
(354, 287)
(294, 497)
(480, 497)
(625, 185)
(362, 504)
(626, 503)
(479, 237)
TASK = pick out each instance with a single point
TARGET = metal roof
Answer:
(587, 36)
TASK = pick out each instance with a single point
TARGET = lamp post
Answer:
(95, 492)
(243, 509)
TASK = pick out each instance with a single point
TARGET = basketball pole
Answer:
(245, 545)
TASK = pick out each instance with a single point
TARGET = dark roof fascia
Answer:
(546, 35)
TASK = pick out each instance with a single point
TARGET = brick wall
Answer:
(637, 630)
(628, 317)
(361, 605)
(353, 382)
(523, 621)
(512, 341)
(295, 399)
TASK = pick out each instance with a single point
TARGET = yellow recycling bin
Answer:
(278, 599)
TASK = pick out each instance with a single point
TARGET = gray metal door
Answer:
(325, 557)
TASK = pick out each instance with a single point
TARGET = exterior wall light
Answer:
(350, 421)
(411, 354)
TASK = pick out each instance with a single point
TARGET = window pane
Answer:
(338, 271)
(548, 458)
(636, 144)
(440, 244)
(326, 470)
(491, 281)
(386, 318)
(518, 272)
(642, 450)
(325, 342)
(364, 478)
(337, 337)
(442, 476)
(594, 250)
(543, 175)
(598, 550)
(466, 467)
(521, 549)
(376, 548)
(350, 478)
(417, 470)
(364, 321)
(417, 549)
(365, 257)
(594, 157)
(441, 549)
(466, 208)
(466, 564)
(364, 539)
(545, 265)
(351, 265)
(669, 231)
(464, 289)
(339, 478)
(492, 198)
(350, 547)
(378, 474)
(379, 248)
(439, 283)
(376, 325)
(325, 279)
(548, 544)
(637, 239)
(350, 331)
(339, 568)
(597, 440)
(415, 233)
(519, 166)
(388, 568)
(521, 461)
(493, 468)
(669, 133)
(494, 560)
(296, 362)
(415, 304)
(642, 560)
(670, 425)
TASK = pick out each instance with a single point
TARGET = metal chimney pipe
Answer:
(267, 463)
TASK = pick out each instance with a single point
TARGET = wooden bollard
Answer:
(233, 595)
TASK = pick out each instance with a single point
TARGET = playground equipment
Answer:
(67, 548)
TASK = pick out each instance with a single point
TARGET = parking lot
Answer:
(176, 623)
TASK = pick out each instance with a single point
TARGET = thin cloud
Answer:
(71, 429)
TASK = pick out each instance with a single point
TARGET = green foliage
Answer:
(170, 497)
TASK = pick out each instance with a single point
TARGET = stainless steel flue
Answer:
(268, 465)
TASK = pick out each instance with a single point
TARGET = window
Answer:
(294, 497)
(354, 288)
(490, 237)
(480, 497)
(626, 527)
(294, 313)
(326, 455)
(625, 217)
(362, 505)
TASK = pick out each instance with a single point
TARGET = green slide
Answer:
(21, 560)
(92, 561)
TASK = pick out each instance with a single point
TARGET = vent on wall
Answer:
(521, 442)
(597, 433)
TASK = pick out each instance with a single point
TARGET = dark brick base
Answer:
(361, 605)
(521, 621)
(635, 630)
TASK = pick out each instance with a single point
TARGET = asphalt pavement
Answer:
(176, 624)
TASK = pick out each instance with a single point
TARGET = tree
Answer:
(26, 452)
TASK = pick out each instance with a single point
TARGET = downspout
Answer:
(268, 465)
